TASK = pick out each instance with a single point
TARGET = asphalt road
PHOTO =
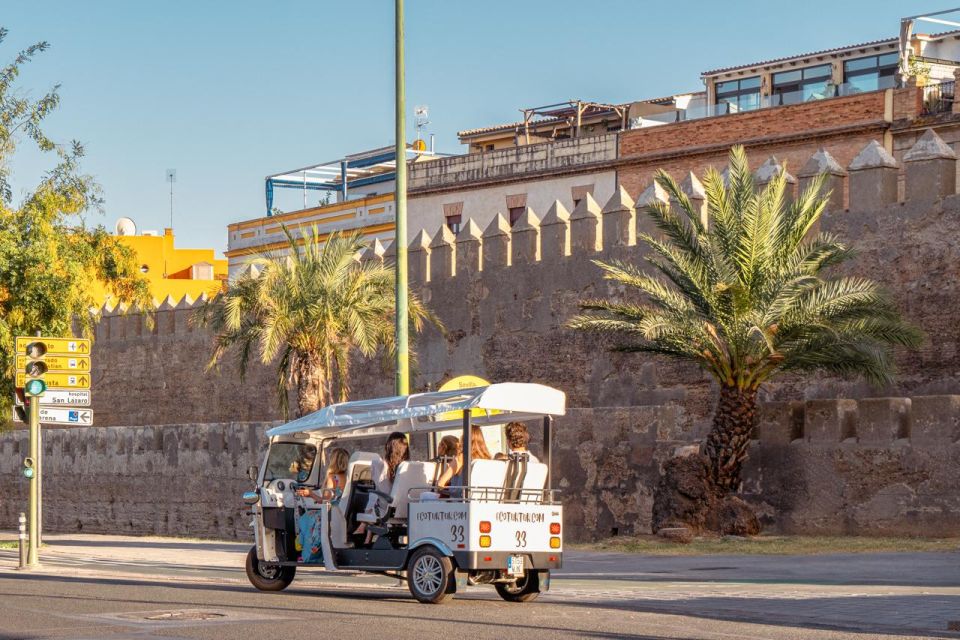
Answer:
(108, 587)
(80, 608)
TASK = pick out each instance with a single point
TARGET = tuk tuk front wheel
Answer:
(524, 589)
(430, 576)
(266, 577)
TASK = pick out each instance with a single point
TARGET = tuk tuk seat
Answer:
(534, 481)
(410, 476)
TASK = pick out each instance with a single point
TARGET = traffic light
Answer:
(35, 368)
(28, 467)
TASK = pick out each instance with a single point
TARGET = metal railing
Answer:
(778, 99)
(938, 98)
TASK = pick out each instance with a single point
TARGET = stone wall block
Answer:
(117, 322)
(555, 233)
(525, 244)
(935, 420)
(779, 423)
(586, 227)
(496, 244)
(931, 169)
(648, 197)
(469, 248)
(873, 178)
(185, 313)
(834, 177)
(691, 187)
(418, 258)
(619, 221)
(103, 326)
(165, 318)
(373, 252)
(135, 321)
(442, 256)
(830, 421)
(882, 421)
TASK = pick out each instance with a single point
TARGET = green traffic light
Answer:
(28, 472)
(35, 387)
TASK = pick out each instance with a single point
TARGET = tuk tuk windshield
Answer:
(290, 460)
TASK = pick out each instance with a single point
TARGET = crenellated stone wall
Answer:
(870, 466)
(866, 463)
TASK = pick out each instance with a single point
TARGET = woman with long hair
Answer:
(452, 476)
(383, 472)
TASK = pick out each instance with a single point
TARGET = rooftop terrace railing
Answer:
(780, 99)
(938, 98)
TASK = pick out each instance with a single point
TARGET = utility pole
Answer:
(400, 205)
(171, 178)
(33, 558)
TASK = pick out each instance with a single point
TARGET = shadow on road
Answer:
(186, 545)
(894, 615)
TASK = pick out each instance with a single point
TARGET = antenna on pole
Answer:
(171, 178)
(420, 113)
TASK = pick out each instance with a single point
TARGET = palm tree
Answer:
(747, 295)
(310, 310)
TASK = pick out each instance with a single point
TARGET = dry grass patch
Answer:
(769, 545)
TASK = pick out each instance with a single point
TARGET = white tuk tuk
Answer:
(503, 526)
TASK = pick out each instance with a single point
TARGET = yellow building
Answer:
(171, 271)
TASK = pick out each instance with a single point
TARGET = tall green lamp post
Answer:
(400, 201)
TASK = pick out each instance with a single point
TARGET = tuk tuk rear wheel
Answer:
(430, 576)
(268, 578)
(524, 589)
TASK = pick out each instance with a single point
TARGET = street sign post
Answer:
(65, 398)
(42, 364)
(60, 380)
(66, 416)
(54, 346)
(67, 364)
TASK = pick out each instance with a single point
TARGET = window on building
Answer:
(515, 214)
(490, 147)
(739, 95)
(871, 73)
(453, 222)
(801, 85)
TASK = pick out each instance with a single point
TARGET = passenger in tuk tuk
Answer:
(383, 471)
(518, 438)
(336, 478)
(452, 476)
(447, 451)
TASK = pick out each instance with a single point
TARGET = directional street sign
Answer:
(60, 380)
(77, 417)
(64, 398)
(67, 364)
(55, 346)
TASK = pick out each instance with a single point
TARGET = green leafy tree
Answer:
(48, 254)
(309, 310)
(747, 296)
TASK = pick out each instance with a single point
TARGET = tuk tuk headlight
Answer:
(251, 498)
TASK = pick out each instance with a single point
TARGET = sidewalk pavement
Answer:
(915, 593)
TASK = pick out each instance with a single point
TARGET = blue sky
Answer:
(228, 92)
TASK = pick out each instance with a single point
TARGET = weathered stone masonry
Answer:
(882, 465)
(504, 294)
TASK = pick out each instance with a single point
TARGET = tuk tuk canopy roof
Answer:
(431, 411)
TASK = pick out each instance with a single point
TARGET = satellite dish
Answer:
(125, 227)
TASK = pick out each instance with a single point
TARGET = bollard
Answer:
(22, 521)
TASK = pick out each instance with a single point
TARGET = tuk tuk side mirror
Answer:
(251, 498)
(253, 471)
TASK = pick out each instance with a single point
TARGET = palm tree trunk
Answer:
(311, 389)
(729, 438)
